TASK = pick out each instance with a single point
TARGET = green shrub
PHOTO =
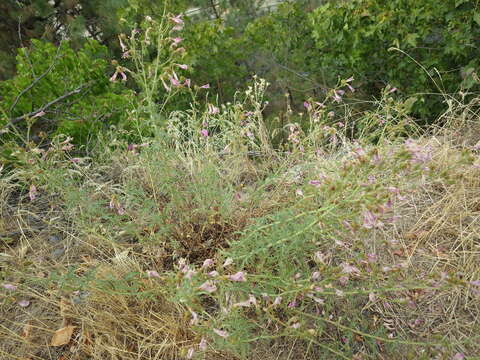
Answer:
(59, 90)
(438, 45)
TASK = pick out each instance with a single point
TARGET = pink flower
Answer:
(203, 344)
(75, 160)
(24, 303)
(292, 304)
(239, 277)
(212, 109)
(183, 66)
(189, 274)
(315, 183)
(392, 90)
(213, 273)
(204, 132)
(38, 114)
(113, 78)
(206, 86)
(458, 356)
(207, 263)
(187, 82)
(208, 286)
(10, 287)
(221, 333)
(370, 220)
(153, 274)
(177, 19)
(349, 269)
(306, 105)
(350, 87)
(175, 82)
(372, 258)
(32, 194)
(194, 317)
(350, 79)
(176, 41)
(336, 96)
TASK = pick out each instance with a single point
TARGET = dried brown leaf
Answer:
(62, 336)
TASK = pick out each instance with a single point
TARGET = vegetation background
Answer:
(239, 179)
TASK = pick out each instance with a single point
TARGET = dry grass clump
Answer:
(438, 241)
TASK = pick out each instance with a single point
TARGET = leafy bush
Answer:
(438, 43)
(61, 91)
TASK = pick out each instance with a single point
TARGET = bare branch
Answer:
(49, 104)
(35, 80)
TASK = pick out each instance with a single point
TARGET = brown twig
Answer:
(47, 105)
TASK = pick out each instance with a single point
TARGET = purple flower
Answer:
(213, 273)
(208, 286)
(239, 277)
(206, 86)
(475, 283)
(307, 105)
(10, 287)
(292, 304)
(458, 356)
(315, 183)
(204, 132)
(183, 66)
